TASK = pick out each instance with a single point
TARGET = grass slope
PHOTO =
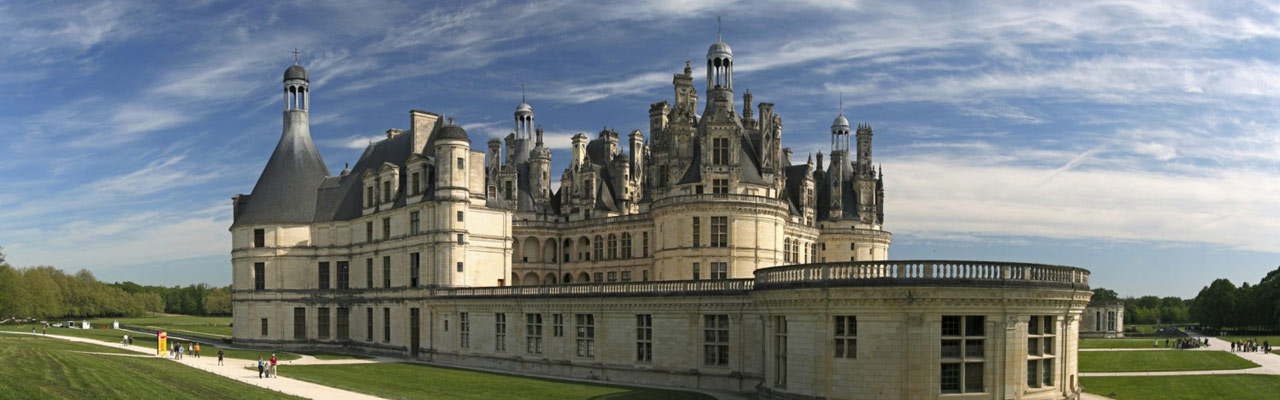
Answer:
(210, 327)
(1186, 387)
(416, 381)
(1167, 360)
(39, 368)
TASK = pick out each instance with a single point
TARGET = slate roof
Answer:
(286, 190)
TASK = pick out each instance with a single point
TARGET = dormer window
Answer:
(368, 196)
(720, 151)
(417, 188)
(259, 238)
(386, 191)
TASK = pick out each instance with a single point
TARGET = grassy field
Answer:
(335, 356)
(1119, 343)
(1142, 329)
(416, 381)
(1187, 387)
(1170, 360)
(149, 341)
(38, 368)
(210, 327)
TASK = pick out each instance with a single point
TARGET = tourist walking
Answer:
(273, 366)
(197, 350)
(219, 356)
(260, 367)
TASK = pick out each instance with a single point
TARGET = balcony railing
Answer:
(722, 197)
(932, 272)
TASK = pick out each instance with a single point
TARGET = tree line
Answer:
(47, 292)
(1256, 308)
(1148, 309)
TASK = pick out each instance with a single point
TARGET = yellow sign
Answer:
(162, 345)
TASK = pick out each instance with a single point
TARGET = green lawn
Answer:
(335, 356)
(210, 327)
(1186, 387)
(1143, 329)
(1119, 343)
(417, 381)
(149, 341)
(1165, 360)
(41, 368)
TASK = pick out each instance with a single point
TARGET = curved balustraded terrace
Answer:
(927, 272)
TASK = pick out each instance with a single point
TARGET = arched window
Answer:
(626, 245)
(599, 247)
(613, 246)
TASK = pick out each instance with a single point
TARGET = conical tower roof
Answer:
(286, 190)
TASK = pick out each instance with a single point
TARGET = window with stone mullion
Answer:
(962, 354)
(1041, 339)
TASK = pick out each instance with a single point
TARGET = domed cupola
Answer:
(295, 71)
(450, 131)
(524, 118)
(719, 64)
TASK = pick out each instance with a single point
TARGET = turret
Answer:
(636, 152)
(864, 150)
(540, 169)
(579, 150)
(452, 158)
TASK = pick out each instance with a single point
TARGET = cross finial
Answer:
(522, 93)
(295, 55)
(842, 103)
(719, 36)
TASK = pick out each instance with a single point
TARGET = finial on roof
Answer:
(295, 55)
(842, 102)
(522, 93)
(719, 36)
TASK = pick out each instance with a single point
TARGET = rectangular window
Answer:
(413, 269)
(386, 271)
(846, 336)
(720, 186)
(533, 333)
(697, 271)
(599, 276)
(715, 340)
(613, 276)
(719, 270)
(324, 275)
(963, 354)
(416, 188)
(626, 276)
(368, 315)
(264, 327)
(386, 324)
(386, 191)
(368, 196)
(459, 216)
(461, 166)
(720, 151)
(259, 238)
(644, 244)
(506, 190)
(259, 276)
(344, 274)
(368, 272)
(644, 338)
(645, 275)
(557, 325)
(323, 323)
(464, 330)
(586, 324)
(386, 228)
(719, 231)
(344, 323)
(299, 323)
(500, 332)
(413, 223)
(697, 232)
(368, 231)
(459, 238)
(1041, 337)
(459, 266)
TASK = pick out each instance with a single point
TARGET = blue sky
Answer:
(1135, 139)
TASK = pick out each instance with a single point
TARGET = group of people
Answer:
(179, 350)
(268, 369)
(1184, 343)
(1251, 345)
(127, 341)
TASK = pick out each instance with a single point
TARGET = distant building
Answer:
(1103, 319)
(701, 258)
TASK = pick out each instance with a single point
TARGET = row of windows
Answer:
(719, 232)
(416, 184)
(598, 246)
(343, 280)
(791, 251)
(719, 270)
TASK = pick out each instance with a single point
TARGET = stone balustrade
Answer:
(661, 288)
(931, 272)
(719, 198)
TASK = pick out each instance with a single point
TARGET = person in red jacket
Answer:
(273, 366)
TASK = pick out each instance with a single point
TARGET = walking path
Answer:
(235, 369)
(1268, 364)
